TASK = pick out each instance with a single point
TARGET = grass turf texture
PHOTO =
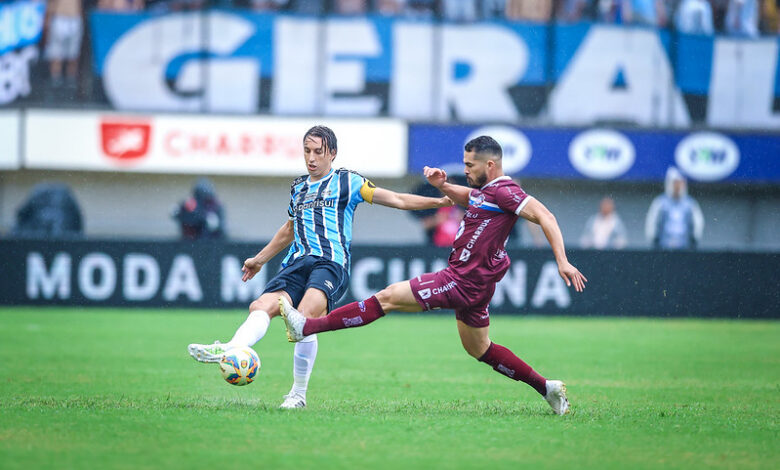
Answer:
(115, 389)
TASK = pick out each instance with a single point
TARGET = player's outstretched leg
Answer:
(349, 316)
(507, 363)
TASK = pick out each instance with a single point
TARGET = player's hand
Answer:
(446, 202)
(435, 176)
(250, 268)
(572, 276)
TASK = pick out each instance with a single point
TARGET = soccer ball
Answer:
(239, 366)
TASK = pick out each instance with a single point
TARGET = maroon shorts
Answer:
(443, 289)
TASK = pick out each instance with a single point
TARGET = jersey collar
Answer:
(310, 182)
(504, 177)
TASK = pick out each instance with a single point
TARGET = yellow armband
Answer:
(367, 191)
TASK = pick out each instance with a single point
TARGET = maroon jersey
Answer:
(478, 254)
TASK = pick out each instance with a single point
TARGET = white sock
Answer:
(303, 363)
(251, 330)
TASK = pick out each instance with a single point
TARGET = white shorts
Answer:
(64, 38)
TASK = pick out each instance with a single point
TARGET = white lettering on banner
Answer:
(183, 280)
(134, 73)
(361, 271)
(707, 156)
(482, 92)
(296, 66)
(512, 287)
(48, 284)
(395, 270)
(15, 74)
(411, 91)
(102, 285)
(349, 38)
(141, 277)
(601, 154)
(232, 288)
(550, 287)
(585, 93)
(742, 85)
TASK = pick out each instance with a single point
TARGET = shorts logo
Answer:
(424, 294)
(362, 306)
(329, 285)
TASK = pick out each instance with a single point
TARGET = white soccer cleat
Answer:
(293, 320)
(207, 352)
(556, 397)
(292, 401)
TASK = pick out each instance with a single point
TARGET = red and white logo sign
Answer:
(125, 140)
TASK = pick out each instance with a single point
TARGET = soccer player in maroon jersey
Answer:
(477, 262)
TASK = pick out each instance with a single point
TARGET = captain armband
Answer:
(367, 191)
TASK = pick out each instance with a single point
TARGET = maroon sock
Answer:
(505, 362)
(348, 316)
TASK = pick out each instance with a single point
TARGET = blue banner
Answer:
(21, 24)
(577, 75)
(605, 154)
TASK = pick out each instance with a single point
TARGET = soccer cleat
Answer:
(207, 352)
(556, 397)
(293, 320)
(293, 400)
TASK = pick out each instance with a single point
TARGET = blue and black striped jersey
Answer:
(322, 213)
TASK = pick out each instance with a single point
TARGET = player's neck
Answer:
(314, 178)
(494, 177)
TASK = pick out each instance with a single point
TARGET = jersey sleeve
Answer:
(291, 207)
(363, 188)
(512, 198)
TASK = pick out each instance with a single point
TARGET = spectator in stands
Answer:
(742, 18)
(464, 11)
(63, 46)
(694, 17)
(493, 9)
(420, 9)
(201, 216)
(529, 10)
(307, 7)
(674, 220)
(605, 229)
(350, 7)
(572, 11)
(121, 5)
(645, 12)
(51, 211)
(770, 17)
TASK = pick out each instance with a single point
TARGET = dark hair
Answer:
(327, 136)
(484, 145)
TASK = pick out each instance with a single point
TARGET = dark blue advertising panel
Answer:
(208, 275)
(606, 154)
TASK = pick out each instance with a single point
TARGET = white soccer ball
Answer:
(239, 366)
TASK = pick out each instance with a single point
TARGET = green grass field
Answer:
(115, 389)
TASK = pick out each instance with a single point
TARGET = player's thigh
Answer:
(314, 303)
(398, 297)
(269, 302)
(475, 340)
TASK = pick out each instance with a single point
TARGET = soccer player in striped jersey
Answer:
(477, 262)
(315, 272)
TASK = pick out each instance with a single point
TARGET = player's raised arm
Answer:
(407, 201)
(438, 178)
(537, 213)
(283, 237)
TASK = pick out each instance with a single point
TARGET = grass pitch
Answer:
(115, 389)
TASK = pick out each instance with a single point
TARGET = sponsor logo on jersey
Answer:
(601, 154)
(328, 284)
(125, 140)
(707, 156)
(515, 146)
(444, 288)
(424, 293)
(315, 204)
(465, 255)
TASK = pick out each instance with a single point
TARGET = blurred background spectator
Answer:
(64, 31)
(201, 216)
(605, 229)
(742, 18)
(350, 7)
(447, 225)
(464, 11)
(571, 11)
(694, 17)
(50, 211)
(121, 5)
(529, 10)
(674, 220)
